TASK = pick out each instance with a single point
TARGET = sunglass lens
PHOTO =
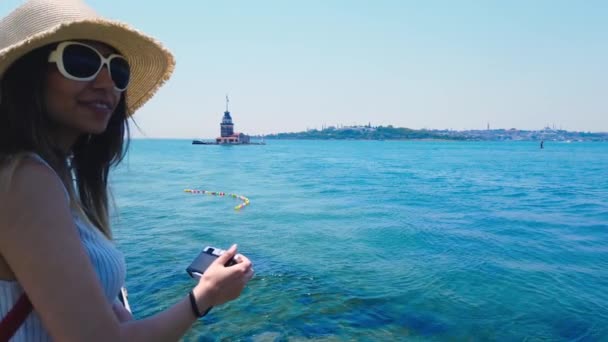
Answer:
(80, 61)
(120, 72)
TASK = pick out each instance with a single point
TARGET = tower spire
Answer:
(227, 100)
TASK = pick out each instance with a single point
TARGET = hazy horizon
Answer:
(135, 134)
(292, 66)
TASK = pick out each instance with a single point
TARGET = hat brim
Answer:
(151, 64)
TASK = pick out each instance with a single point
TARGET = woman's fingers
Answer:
(226, 283)
(227, 255)
(249, 274)
(243, 260)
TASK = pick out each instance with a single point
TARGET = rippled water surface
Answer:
(376, 240)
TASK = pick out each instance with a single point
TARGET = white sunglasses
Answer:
(82, 62)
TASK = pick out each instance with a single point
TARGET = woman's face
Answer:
(80, 107)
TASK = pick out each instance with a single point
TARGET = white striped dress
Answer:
(108, 262)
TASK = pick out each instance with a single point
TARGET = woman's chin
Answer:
(96, 127)
(91, 131)
(98, 131)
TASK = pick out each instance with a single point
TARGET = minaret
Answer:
(227, 127)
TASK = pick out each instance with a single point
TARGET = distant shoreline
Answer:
(413, 140)
(440, 140)
(400, 133)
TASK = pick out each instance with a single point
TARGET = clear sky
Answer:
(292, 65)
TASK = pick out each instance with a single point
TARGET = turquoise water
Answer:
(376, 240)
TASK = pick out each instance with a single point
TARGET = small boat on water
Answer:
(202, 142)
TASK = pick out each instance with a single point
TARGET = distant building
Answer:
(226, 127)
(227, 135)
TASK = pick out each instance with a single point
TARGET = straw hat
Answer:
(40, 22)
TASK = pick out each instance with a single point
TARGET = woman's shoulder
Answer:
(11, 163)
(28, 172)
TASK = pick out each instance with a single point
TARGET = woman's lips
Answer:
(98, 107)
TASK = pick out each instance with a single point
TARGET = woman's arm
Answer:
(40, 243)
(122, 314)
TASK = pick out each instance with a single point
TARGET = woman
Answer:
(69, 80)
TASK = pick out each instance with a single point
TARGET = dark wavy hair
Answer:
(25, 129)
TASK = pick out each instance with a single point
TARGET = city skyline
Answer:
(289, 66)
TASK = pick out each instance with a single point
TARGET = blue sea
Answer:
(375, 240)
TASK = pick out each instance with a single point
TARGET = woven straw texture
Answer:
(40, 22)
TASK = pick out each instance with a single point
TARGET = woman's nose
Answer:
(103, 79)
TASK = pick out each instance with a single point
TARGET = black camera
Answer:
(204, 259)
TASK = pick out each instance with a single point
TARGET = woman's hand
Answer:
(220, 284)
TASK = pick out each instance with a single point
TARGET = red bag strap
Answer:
(13, 320)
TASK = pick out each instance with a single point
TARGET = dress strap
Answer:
(15, 318)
